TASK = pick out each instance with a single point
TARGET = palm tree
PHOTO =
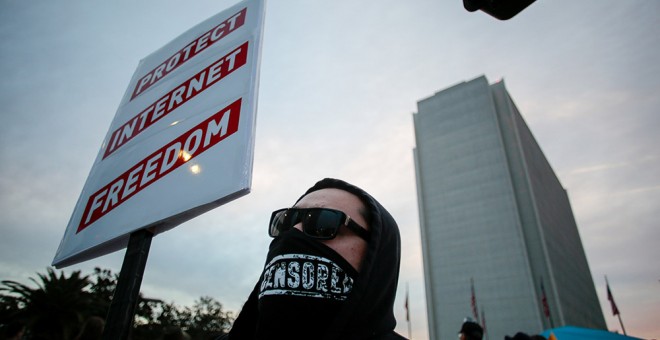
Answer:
(56, 308)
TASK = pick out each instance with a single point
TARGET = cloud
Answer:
(338, 85)
(599, 167)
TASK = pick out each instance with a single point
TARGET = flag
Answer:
(544, 300)
(473, 301)
(615, 310)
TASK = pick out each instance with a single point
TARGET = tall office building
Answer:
(496, 224)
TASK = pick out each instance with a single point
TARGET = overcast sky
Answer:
(339, 83)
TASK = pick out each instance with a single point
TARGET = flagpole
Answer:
(546, 306)
(615, 309)
(408, 314)
(473, 301)
(483, 322)
(621, 323)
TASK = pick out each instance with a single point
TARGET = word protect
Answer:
(179, 58)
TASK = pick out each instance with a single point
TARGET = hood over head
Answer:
(369, 310)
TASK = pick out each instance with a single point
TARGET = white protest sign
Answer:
(182, 140)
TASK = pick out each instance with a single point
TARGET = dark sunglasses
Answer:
(319, 223)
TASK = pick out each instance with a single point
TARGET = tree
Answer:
(53, 310)
(9, 311)
(59, 305)
(204, 320)
(149, 323)
(207, 319)
(102, 286)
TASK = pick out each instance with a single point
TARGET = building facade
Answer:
(499, 240)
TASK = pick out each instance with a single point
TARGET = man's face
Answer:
(347, 244)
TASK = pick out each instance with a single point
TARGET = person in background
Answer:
(522, 336)
(470, 330)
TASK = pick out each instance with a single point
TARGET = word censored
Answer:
(305, 275)
(201, 43)
(177, 97)
(187, 146)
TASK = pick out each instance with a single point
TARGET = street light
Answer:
(500, 9)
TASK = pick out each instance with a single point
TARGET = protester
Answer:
(331, 271)
(518, 336)
(470, 330)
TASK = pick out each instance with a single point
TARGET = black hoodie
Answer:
(368, 312)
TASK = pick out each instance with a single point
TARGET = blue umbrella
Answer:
(577, 333)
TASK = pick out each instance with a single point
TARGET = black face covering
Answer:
(303, 287)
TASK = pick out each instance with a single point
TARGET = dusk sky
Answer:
(339, 83)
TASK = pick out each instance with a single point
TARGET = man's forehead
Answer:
(329, 197)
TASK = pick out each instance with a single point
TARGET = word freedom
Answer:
(192, 49)
(198, 83)
(190, 144)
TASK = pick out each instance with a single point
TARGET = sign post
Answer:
(122, 309)
(180, 144)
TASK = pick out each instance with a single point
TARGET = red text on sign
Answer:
(201, 43)
(177, 97)
(160, 163)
